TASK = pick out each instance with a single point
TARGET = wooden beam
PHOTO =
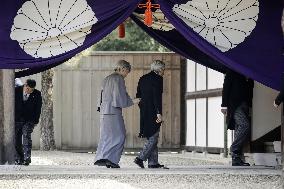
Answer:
(203, 94)
(183, 81)
(213, 150)
(282, 133)
(7, 124)
(1, 119)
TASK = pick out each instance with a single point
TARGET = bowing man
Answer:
(113, 98)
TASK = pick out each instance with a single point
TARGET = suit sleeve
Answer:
(138, 93)
(280, 96)
(251, 86)
(38, 108)
(157, 95)
(226, 90)
(121, 99)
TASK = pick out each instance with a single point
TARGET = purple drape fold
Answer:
(58, 33)
(258, 57)
(109, 14)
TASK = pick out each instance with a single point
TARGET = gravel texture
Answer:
(167, 158)
(187, 171)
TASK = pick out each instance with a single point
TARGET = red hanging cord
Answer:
(121, 30)
(148, 19)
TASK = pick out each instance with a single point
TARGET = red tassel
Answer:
(148, 20)
(121, 30)
(148, 17)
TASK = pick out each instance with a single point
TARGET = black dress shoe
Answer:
(109, 164)
(19, 162)
(100, 162)
(139, 162)
(157, 166)
(239, 162)
(27, 162)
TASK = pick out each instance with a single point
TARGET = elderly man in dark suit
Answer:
(28, 104)
(150, 89)
(280, 97)
(236, 103)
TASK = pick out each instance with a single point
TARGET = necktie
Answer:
(25, 97)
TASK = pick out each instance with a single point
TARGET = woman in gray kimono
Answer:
(114, 97)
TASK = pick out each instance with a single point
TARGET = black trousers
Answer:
(150, 150)
(242, 129)
(23, 140)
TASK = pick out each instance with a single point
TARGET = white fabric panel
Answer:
(265, 117)
(190, 123)
(190, 76)
(201, 122)
(230, 138)
(215, 123)
(223, 23)
(215, 79)
(200, 77)
(35, 28)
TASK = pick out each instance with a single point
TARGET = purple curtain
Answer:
(24, 52)
(243, 35)
(259, 56)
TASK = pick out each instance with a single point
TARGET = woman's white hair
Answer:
(122, 64)
(157, 65)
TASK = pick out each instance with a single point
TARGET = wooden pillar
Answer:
(1, 119)
(183, 81)
(282, 133)
(7, 126)
(225, 153)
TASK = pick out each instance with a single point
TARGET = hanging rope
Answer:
(148, 19)
(121, 30)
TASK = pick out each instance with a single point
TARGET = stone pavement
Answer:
(69, 170)
(75, 170)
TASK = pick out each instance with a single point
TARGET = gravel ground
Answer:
(169, 159)
(130, 177)
(147, 181)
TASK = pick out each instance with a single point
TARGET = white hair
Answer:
(122, 64)
(18, 82)
(157, 65)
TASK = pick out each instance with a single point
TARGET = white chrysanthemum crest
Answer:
(46, 28)
(223, 23)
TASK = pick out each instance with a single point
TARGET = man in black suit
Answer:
(150, 90)
(236, 103)
(28, 104)
(280, 97)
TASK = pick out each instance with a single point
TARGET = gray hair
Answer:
(157, 65)
(122, 64)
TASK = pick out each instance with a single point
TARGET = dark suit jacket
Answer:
(29, 110)
(280, 97)
(150, 89)
(237, 89)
